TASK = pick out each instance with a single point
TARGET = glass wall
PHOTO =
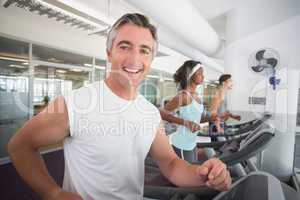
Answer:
(10, 48)
(169, 90)
(100, 67)
(24, 94)
(100, 63)
(14, 99)
(148, 88)
(60, 57)
(99, 74)
(51, 81)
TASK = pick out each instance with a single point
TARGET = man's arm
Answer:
(212, 173)
(48, 127)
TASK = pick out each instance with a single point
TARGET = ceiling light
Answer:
(152, 76)
(59, 11)
(61, 71)
(99, 67)
(87, 65)
(76, 70)
(17, 66)
(54, 60)
(168, 79)
(25, 63)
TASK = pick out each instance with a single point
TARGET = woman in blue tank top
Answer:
(190, 107)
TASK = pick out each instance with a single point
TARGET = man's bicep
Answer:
(48, 127)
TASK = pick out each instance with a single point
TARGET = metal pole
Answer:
(30, 85)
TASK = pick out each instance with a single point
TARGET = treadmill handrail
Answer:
(248, 151)
(245, 130)
(237, 126)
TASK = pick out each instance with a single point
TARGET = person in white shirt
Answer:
(107, 129)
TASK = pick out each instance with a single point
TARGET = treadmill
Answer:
(257, 185)
(252, 185)
(158, 187)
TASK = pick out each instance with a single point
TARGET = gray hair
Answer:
(135, 19)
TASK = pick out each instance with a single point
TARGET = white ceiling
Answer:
(215, 12)
(208, 9)
(214, 8)
(106, 10)
(109, 10)
(219, 25)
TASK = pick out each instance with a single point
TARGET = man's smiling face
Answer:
(131, 55)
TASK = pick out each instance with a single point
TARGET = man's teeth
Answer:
(132, 70)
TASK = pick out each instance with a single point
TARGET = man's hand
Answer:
(192, 126)
(215, 174)
(63, 195)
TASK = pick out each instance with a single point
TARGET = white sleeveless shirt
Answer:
(109, 140)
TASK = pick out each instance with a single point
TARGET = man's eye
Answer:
(124, 47)
(145, 51)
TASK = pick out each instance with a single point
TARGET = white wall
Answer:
(281, 163)
(273, 24)
(255, 15)
(283, 37)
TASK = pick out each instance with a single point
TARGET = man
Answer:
(107, 130)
